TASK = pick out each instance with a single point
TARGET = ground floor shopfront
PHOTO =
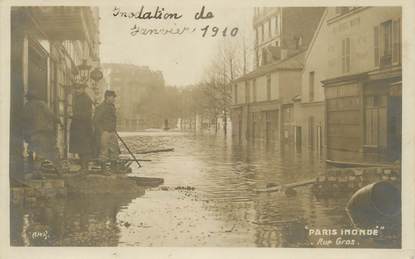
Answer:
(363, 116)
(297, 124)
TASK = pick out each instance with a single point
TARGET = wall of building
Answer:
(290, 85)
(358, 110)
(43, 58)
(315, 63)
(359, 28)
(310, 112)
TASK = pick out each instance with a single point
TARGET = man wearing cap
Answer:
(105, 121)
(81, 140)
(39, 130)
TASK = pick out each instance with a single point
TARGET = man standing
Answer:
(105, 120)
(81, 133)
(39, 129)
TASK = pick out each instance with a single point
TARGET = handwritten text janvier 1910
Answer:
(159, 13)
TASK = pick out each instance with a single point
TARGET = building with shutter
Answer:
(282, 31)
(263, 103)
(48, 43)
(310, 118)
(363, 85)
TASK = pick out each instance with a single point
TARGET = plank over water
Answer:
(286, 186)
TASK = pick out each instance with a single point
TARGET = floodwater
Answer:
(219, 208)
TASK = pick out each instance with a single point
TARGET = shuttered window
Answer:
(311, 86)
(346, 55)
(376, 45)
(247, 92)
(396, 41)
(387, 43)
(268, 87)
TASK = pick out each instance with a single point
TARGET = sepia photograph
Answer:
(162, 125)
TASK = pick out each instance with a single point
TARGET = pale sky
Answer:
(181, 58)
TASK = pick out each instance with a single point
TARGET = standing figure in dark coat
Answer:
(81, 131)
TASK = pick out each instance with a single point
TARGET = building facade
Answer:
(282, 31)
(363, 86)
(264, 100)
(310, 118)
(47, 46)
(134, 85)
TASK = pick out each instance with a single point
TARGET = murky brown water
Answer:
(222, 210)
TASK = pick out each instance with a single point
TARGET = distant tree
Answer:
(227, 65)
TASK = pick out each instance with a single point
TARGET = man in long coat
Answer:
(81, 132)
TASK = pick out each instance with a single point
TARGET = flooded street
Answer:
(207, 199)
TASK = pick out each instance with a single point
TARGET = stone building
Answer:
(134, 85)
(47, 46)
(264, 99)
(310, 115)
(363, 86)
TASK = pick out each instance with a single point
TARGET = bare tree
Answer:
(225, 66)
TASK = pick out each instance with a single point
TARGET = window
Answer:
(269, 29)
(247, 92)
(236, 94)
(375, 120)
(256, 36)
(396, 41)
(346, 55)
(254, 90)
(387, 43)
(262, 32)
(287, 114)
(277, 31)
(386, 40)
(311, 131)
(268, 87)
(311, 86)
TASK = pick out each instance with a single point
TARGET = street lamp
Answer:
(83, 69)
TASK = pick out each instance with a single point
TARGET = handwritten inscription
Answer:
(160, 13)
(136, 29)
(202, 15)
(157, 14)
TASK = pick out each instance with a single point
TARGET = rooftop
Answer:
(293, 62)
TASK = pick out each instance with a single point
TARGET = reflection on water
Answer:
(76, 221)
(223, 210)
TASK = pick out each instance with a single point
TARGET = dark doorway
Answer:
(37, 70)
(395, 128)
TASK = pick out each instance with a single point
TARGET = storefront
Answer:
(363, 117)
